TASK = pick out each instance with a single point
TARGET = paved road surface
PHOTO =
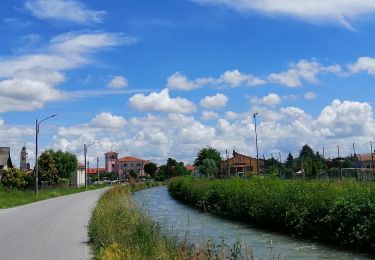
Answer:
(50, 229)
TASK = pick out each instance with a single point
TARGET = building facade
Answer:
(5, 160)
(240, 164)
(129, 164)
(366, 161)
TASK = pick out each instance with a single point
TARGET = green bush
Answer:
(342, 213)
(14, 179)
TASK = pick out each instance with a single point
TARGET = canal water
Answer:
(197, 228)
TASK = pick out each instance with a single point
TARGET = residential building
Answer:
(128, 164)
(240, 164)
(5, 159)
(365, 160)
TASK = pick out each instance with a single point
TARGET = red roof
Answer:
(93, 170)
(132, 159)
(189, 167)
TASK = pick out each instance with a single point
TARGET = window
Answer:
(138, 164)
(249, 168)
(132, 164)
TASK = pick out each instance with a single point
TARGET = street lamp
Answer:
(85, 146)
(37, 124)
(256, 140)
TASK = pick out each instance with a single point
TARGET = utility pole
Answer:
(37, 126)
(88, 167)
(372, 158)
(85, 147)
(338, 158)
(256, 140)
(97, 167)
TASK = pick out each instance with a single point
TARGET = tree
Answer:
(47, 168)
(14, 179)
(151, 169)
(289, 163)
(66, 163)
(208, 153)
(208, 167)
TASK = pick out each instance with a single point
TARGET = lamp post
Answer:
(37, 125)
(85, 147)
(372, 158)
(256, 140)
(97, 167)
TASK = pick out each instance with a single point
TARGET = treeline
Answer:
(339, 213)
(54, 167)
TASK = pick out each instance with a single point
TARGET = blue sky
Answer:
(159, 79)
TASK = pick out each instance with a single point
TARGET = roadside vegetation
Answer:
(341, 213)
(14, 197)
(119, 230)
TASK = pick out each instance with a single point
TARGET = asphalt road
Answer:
(49, 229)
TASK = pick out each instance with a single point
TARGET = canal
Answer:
(197, 228)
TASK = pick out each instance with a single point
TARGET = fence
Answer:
(359, 174)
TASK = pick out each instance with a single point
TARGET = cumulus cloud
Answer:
(341, 12)
(271, 99)
(161, 102)
(231, 78)
(209, 115)
(158, 137)
(302, 71)
(297, 74)
(214, 102)
(363, 64)
(118, 82)
(64, 10)
(235, 78)
(107, 120)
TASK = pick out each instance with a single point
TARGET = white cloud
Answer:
(209, 115)
(302, 71)
(107, 120)
(158, 137)
(363, 64)
(161, 102)
(309, 95)
(341, 12)
(214, 102)
(64, 10)
(271, 99)
(28, 81)
(118, 82)
(181, 82)
(235, 78)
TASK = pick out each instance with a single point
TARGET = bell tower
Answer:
(23, 159)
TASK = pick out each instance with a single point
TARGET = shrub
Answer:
(14, 179)
(342, 213)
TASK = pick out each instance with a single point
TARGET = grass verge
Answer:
(341, 213)
(13, 198)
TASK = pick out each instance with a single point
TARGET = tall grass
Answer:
(12, 198)
(342, 213)
(118, 230)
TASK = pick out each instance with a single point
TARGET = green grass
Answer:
(341, 213)
(14, 198)
(118, 230)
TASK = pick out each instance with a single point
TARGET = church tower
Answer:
(23, 159)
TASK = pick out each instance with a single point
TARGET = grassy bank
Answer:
(14, 198)
(342, 213)
(118, 230)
